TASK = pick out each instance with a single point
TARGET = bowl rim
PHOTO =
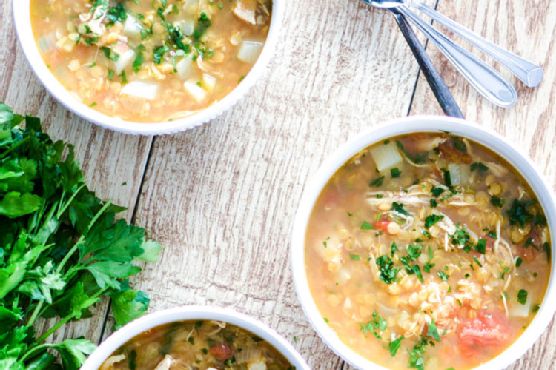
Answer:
(406, 125)
(22, 18)
(194, 312)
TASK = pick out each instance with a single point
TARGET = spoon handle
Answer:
(530, 73)
(482, 77)
(436, 82)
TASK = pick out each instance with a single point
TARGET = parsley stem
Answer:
(82, 237)
(35, 314)
(14, 147)
(70, 200)
(64, 321)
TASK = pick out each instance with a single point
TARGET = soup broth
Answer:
(196, 345)
(428, 251)
(150, 60)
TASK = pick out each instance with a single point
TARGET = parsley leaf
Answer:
(387, 270)
(62, 250)
(432, 219)
(398, 207)
(522, 296)
(375, 183)
(394, 346)
(376, 326)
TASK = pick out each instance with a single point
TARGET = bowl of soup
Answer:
(426, 244)
(148, 67)
(195, 337)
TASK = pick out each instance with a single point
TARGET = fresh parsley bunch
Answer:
(62, 249)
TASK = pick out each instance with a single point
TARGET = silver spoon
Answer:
(529, 73)
(487, 81)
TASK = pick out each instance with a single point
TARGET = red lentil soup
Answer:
(150, 60)
(428, 251)
(189, 345)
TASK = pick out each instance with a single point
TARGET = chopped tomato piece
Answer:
(221, 351)
(381, 225)
(489, 330)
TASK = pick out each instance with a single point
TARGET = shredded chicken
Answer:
(165, 364)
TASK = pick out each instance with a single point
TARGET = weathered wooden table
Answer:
(222, 197)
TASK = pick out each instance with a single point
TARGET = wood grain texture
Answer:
(113, 163)
(222, 197)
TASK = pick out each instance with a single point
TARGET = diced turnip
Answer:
(386, 156)
(185, 68)
(245, 10)
(124, 60)
(249, 51)
(187, 26)
(132, 27)
(209, 82)
(141, 89)
(521, 310)
(459, 174)
(196, 92)
(258, 365)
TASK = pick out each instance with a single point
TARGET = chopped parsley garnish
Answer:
(443, 276)
(481, 246)
(139, 58)
(394, 345)
(447, 177)
(478, 166)
(432, 219)
(433, 203)
(387, 270)
(355, 257)
(398, 207)
(417, 271)
(375, 183)
(460, 237)
(477, 261)
(433, 331)
(116, 13)
(518, 261)
(395, 172)
(414, 251)
(365, 225)
(427, 267)
(203, 24)
(393, 249)
(518, 212)
(417, 355)
(497, 201)
(522, 296)
(159, 52)
(376, 326)
(436, 191)
(110, 54)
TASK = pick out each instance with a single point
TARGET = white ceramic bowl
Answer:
(400, 127)
(22, 15)
(153, 320)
